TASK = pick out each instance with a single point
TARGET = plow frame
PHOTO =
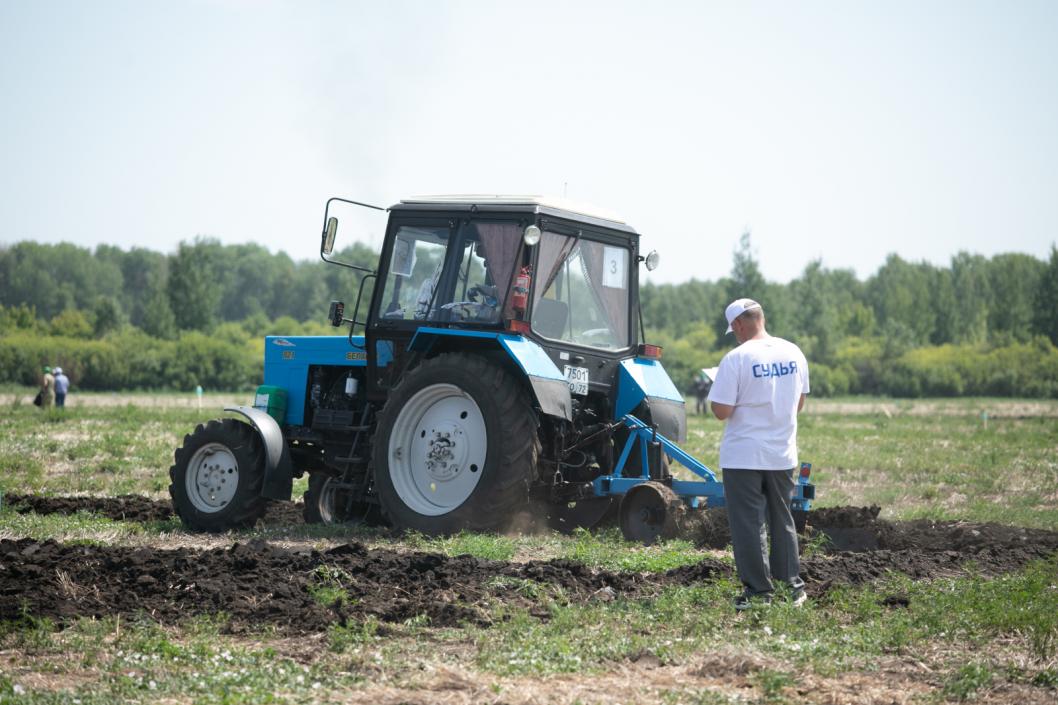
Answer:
(693, 492)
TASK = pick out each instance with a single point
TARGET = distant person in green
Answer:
(62, 386)
(47, 389)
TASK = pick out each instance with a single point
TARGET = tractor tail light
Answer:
(516, 326)
(652, 352)
(806, 470)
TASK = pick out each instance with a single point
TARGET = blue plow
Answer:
(692, 492)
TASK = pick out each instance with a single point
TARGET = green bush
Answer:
(863, 362)
(684, 357)
(230, 357)
(133, 360)
(829, 381)
(1018, 369)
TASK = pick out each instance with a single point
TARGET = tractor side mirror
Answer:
(652, 260)
(328, 236)
(337, 314)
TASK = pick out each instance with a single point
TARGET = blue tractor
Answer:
(499, 375)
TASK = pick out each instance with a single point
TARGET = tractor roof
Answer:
(549, 205)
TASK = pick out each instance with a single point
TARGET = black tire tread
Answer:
(252, 505)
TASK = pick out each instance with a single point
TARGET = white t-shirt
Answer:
(764, 380)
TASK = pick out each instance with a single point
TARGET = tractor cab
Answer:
(461, 271)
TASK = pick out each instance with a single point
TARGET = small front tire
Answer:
(217, 475)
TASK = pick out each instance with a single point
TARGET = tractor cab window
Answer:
(582, 297)
(414, 278)
(418, 287)
(484, 275)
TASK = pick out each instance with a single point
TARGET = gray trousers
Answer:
(758, 504)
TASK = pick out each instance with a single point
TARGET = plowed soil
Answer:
(256, 583)
(129, 507)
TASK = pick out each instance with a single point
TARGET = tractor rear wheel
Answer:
(216, 477)
(456, 447)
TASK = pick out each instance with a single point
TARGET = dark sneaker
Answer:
(746, 601)
(798, 597)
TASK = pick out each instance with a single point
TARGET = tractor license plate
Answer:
(578, 380)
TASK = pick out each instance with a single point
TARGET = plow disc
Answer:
(650, 512)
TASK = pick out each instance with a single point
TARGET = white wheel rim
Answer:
(437, 449)
(212, 478)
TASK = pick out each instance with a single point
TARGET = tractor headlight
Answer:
(531, 235)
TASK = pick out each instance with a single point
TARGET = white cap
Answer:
(736, 308)
(57, 370)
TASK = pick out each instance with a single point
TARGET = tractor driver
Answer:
(426, 293)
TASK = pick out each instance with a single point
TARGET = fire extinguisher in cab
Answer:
(520, 293)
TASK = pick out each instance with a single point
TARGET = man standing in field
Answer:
(759, 388)
(47, 389)
(62, 385)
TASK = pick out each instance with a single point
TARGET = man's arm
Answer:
(801, 403)
(723, 411)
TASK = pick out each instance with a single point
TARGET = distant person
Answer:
(701, 392)
(759, 389)
(47, 389)
(62, 385)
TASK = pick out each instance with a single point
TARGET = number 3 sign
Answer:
(615, 267)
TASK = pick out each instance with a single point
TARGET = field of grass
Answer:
(952, 639)
(973, 459)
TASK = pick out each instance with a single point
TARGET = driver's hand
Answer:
(488, 292)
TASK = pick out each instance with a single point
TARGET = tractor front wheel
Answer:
(216, 477)
(456, 447)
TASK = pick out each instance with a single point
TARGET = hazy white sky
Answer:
(834, 130)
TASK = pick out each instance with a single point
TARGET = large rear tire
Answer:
(456, 447)
(216, 477)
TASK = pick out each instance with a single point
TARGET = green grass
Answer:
(82, 527)
(608, 550)
(935, 459)
(492, 547)
(845, 631)
(92, 449)
(925, 458)
(142, 663)
(965, 682)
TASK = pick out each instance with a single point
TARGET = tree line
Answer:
(976, 326)
(199, 286)
(910, 329)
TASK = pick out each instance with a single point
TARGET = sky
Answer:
(840, 131)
